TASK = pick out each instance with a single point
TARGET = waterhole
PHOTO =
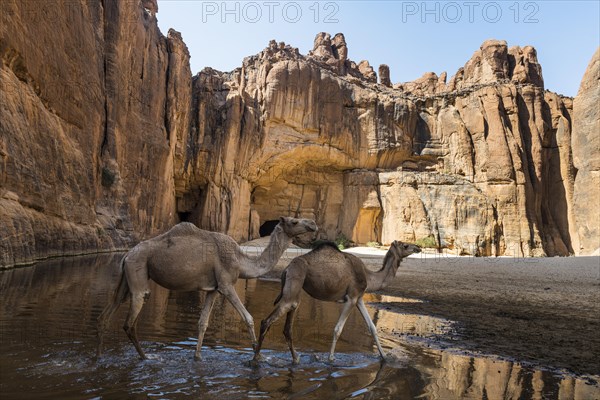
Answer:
(48, 339)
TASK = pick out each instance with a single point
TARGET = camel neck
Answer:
(253, 267)
(377, 280)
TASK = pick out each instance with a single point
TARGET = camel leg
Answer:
(363, 311)
(130, 327)
(209, 301)
(287, 302)
(339, 327)
(118, 298)
(265, 325)
(136, 274)
(287, 332)
(104, 322)
(231, 295)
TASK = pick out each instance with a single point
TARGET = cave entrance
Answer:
(267, 228)
(184, 216)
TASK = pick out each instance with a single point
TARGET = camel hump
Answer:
(189, 229)
(183, 228)
(326, 244)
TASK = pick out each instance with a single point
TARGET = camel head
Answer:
(401, 249)
(297, 226)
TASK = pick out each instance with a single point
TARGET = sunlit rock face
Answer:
(586, 162)
(107, 138)
(94, 107)
(482, 163)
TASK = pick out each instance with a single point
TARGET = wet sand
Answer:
(544, 311)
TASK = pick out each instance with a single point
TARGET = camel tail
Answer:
(283, 274)
(122, 290)
(119, 296)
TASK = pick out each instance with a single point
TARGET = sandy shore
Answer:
(545, 311)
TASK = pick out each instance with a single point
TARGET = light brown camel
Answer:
(328, 274)
(188, 258)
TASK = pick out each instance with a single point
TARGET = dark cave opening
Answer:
(267, 228)
(184, 216)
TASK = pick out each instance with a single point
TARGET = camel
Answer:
(328, 274)
(187, 258)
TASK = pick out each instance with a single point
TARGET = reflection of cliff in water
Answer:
(460, 376)
(402, 323)
(453, 376)
(48, 316)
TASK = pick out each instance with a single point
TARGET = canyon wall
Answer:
(481, 163)
(586, 161)
(106, 138)
(93, 103)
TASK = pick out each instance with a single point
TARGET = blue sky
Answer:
(412, 37)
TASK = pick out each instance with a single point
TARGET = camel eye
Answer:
(295, 222)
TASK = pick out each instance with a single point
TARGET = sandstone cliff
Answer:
(106, 138)
(586, 162)
(92, 101)
(482, 163)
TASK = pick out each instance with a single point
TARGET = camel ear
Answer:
(282, 220)
(395, 243)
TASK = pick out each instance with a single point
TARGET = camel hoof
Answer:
(296, 361)
(331, 358)
(197, 357)
(253, 363)
(258, 358)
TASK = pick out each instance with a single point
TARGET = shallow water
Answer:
(48, 341)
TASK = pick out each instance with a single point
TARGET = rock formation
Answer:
(475, 166)
(106, 139)
(384, 75)
(586, 162)
(94, 102)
